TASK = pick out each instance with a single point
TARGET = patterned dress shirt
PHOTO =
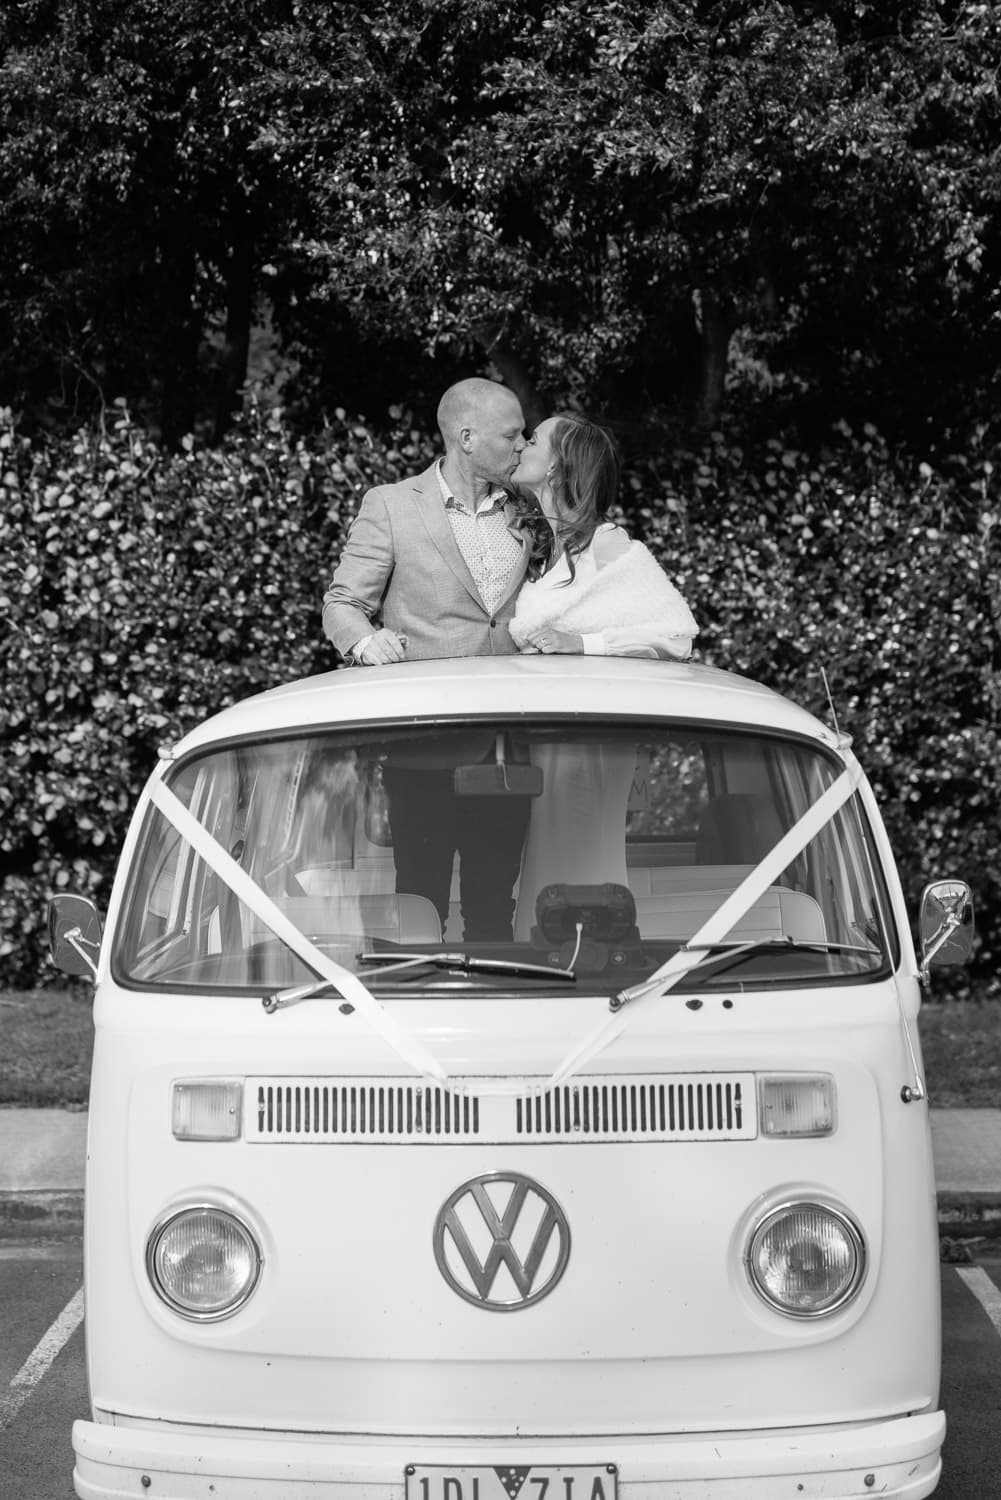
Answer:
(489, 550)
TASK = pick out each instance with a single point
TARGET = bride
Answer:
(590, 590)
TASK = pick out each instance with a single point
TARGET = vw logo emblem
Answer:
(501, 1241)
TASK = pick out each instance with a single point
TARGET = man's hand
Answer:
(381, 649)
(550, 641)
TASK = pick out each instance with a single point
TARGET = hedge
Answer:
(886, 574)
(143, 589)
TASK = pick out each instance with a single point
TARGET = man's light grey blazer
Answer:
(401, 561)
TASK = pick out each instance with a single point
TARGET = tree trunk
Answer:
(239, 313)
(177, 350)
(716, 320)
(517, 377)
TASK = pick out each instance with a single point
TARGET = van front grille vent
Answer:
(326, 1109)
(616, 1107)
(689, 1107)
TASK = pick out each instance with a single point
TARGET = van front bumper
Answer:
(898, 1459)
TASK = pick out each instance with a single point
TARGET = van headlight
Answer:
(806, 1259)
(203, 1262)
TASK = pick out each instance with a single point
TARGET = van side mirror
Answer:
(74, 935)
(946, 924)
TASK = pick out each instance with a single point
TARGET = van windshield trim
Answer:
(823, 743)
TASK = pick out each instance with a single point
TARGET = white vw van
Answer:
(637, 1204)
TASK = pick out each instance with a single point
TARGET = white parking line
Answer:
(40, 1358)
(986, 1293)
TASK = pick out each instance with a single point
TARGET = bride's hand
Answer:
(552, 642)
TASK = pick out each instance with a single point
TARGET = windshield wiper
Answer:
(724, 955)
(811, 945)
(719, 953)
(394, 963)
(281, 998)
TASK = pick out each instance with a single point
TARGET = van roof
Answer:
(501, 686)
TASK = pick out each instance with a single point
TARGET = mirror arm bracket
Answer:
(79, 944)
(929, 949)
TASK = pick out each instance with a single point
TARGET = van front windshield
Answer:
(525, 846)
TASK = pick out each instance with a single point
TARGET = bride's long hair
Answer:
(585, 477)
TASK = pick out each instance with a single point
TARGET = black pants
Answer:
(430, 823)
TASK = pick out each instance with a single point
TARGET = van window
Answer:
(625, 839)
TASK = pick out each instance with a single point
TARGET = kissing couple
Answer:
(502, 546)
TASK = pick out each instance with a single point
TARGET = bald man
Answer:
(433, 555)
(430, 568)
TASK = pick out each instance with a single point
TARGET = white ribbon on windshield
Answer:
(736, 905)
(403, 1042)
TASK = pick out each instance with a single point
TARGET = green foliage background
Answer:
(142, 589)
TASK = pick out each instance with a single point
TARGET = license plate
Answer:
(511, 1482)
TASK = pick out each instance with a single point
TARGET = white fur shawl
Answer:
(632, 589)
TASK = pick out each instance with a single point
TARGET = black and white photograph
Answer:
(500, 750)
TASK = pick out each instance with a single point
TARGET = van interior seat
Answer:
(642, 852)
(778, 913)
(665, 879)
(368, 877)
(402, 918)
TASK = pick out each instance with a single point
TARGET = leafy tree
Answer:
(603, 197)
(153, 173)
(633, 205)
